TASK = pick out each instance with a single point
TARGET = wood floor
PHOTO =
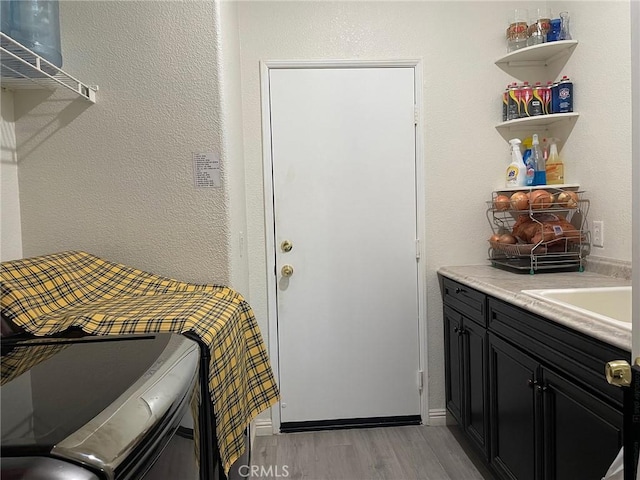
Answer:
(391, 453)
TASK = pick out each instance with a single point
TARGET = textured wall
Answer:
(233, 148)
(465, 158)
(598, 153)
(10, 229)
(115, 178)
(635, 87)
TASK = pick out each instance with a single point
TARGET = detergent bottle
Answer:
(555, 166)
(516, 171)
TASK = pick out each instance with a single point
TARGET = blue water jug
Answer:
(36, 25)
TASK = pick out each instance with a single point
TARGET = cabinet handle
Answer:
(536, 384)
(460, 290)
(456, 330)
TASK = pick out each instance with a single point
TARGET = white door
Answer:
(344, 183)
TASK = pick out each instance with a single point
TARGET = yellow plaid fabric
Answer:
(48, 294)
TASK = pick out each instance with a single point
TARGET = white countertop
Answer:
(507, 286)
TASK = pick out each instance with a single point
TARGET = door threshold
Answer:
(344, 423)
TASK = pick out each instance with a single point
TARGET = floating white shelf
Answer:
(537, 55)
(24, 69)
(537, 121)
(564, 186)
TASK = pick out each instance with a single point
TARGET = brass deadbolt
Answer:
(618, 373)
(286, 246)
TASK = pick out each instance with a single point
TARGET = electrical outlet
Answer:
(598, 233)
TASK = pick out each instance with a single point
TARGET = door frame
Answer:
(270, 247)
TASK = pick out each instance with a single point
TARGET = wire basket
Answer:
(547, 229)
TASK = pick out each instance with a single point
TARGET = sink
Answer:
(607, 304)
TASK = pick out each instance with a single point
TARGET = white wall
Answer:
(10, 229)
(635, 86)
(598, 153)
(115, 178)
(465, 157)
(233, 148)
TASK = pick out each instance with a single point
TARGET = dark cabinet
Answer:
(582, 433)
(515, 432)
(476, 417)
(543, 425)
(453, 362)
(528, 392)
(465, 364)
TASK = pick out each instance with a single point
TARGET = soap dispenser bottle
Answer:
(516, 171)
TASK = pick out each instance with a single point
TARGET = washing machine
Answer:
(95, 408)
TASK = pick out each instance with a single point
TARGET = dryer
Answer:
(93, 408)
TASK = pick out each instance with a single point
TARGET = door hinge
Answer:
(419, 379)
(416, 114)
(417, 248)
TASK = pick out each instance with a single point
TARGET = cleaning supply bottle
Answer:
(526, 158)
(540, 177)
(555, 167)
(516, 171)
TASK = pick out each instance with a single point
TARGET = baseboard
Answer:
(263, 427)
(252, 433)
(437, 417)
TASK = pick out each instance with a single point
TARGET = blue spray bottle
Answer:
(540, 176)
(529, 163)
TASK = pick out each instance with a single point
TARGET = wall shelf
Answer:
(539, 121)
(541, 55)
(557, 125)
(554, 188)
(23, 69)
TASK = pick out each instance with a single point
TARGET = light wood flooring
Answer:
(390, 453)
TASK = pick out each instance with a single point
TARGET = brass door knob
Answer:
(287, 270)
(618, 373)
(286, 246)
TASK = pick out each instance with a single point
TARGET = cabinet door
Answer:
(582, 434)
(453, 362)
(515, 408)
(476, 411)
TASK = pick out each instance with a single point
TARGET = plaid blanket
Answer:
(48, 294)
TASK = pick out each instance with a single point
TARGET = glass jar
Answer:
(517, 30)
(539, 26)
(565, 34)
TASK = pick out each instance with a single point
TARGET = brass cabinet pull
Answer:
(618, 373)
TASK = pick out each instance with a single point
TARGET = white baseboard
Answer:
(263, 427)
(437, 417)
